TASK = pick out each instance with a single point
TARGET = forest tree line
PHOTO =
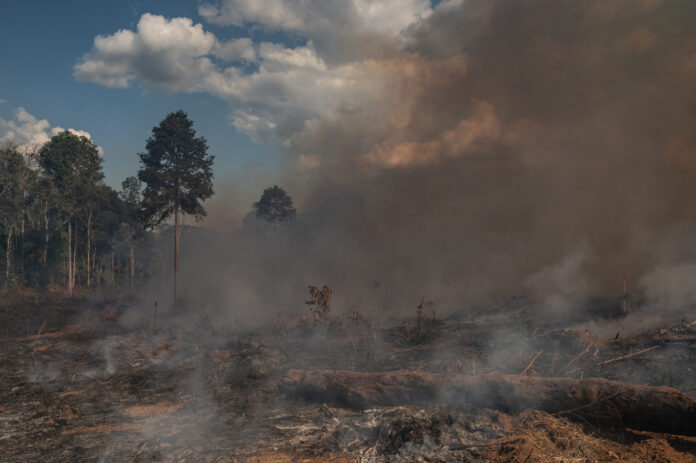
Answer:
(63, 226)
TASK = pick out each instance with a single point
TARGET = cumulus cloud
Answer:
(235, 50)
(25, 128)
(335, 25)
(288, 87)
(162, 53)
(28, 131)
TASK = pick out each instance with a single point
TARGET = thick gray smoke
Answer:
(498, 139)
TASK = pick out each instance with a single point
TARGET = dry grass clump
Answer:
(540, 437)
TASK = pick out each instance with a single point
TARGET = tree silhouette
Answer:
(275, 206)
(177, 172)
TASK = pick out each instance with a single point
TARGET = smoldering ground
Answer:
(538, 148)
(501, 148)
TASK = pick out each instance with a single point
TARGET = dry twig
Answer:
(627, 356)
(532, 362)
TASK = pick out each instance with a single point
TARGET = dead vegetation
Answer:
(80, 386)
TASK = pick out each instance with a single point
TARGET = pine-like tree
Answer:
(177, 171)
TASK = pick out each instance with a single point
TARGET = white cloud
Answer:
(28, 131)
(25, 128)
(294, 93)
(314, 18)
(166, 54)
(289, 85)
(342, 30)
(235, 50)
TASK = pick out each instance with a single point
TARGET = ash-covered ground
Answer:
(78, 385)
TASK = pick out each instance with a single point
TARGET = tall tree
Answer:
(11, 199)
(275, 206)
(109, 216)
(132, 197)
(74, 166)
(177, 171)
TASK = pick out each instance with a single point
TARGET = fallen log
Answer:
(599, 401)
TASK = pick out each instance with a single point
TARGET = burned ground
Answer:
(78, 385)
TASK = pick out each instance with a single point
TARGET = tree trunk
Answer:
(176, 252)
(21, 246)
(113, 280)
(70, 272)
(89, 245)
(99, 271)
(74, 259)
(8, 257)
(132, 262)
(46, 237)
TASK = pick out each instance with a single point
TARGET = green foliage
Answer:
(131, 197)
(275, 206)
(57, 190)
(43, 189)
(13, 185)
(176, 170)
(73, 165)
(130, 191)
(109, 214)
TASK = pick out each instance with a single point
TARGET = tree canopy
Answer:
(176, 169)
(73, 164)
(61, 224)
(275, 206)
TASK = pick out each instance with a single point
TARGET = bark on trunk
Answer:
(74, 261)
(46, 236)
(132, 263)
(89, 245)
(658, 409)
(21, 246)
(98, 269)
(176, 253)
(70, 272)
(8, 257)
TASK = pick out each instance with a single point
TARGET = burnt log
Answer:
(594, 400)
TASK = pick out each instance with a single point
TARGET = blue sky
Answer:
(40, 43)
(269, 83)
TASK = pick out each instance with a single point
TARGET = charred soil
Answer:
(78, 384)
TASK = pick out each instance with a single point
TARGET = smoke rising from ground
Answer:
(490, 142)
